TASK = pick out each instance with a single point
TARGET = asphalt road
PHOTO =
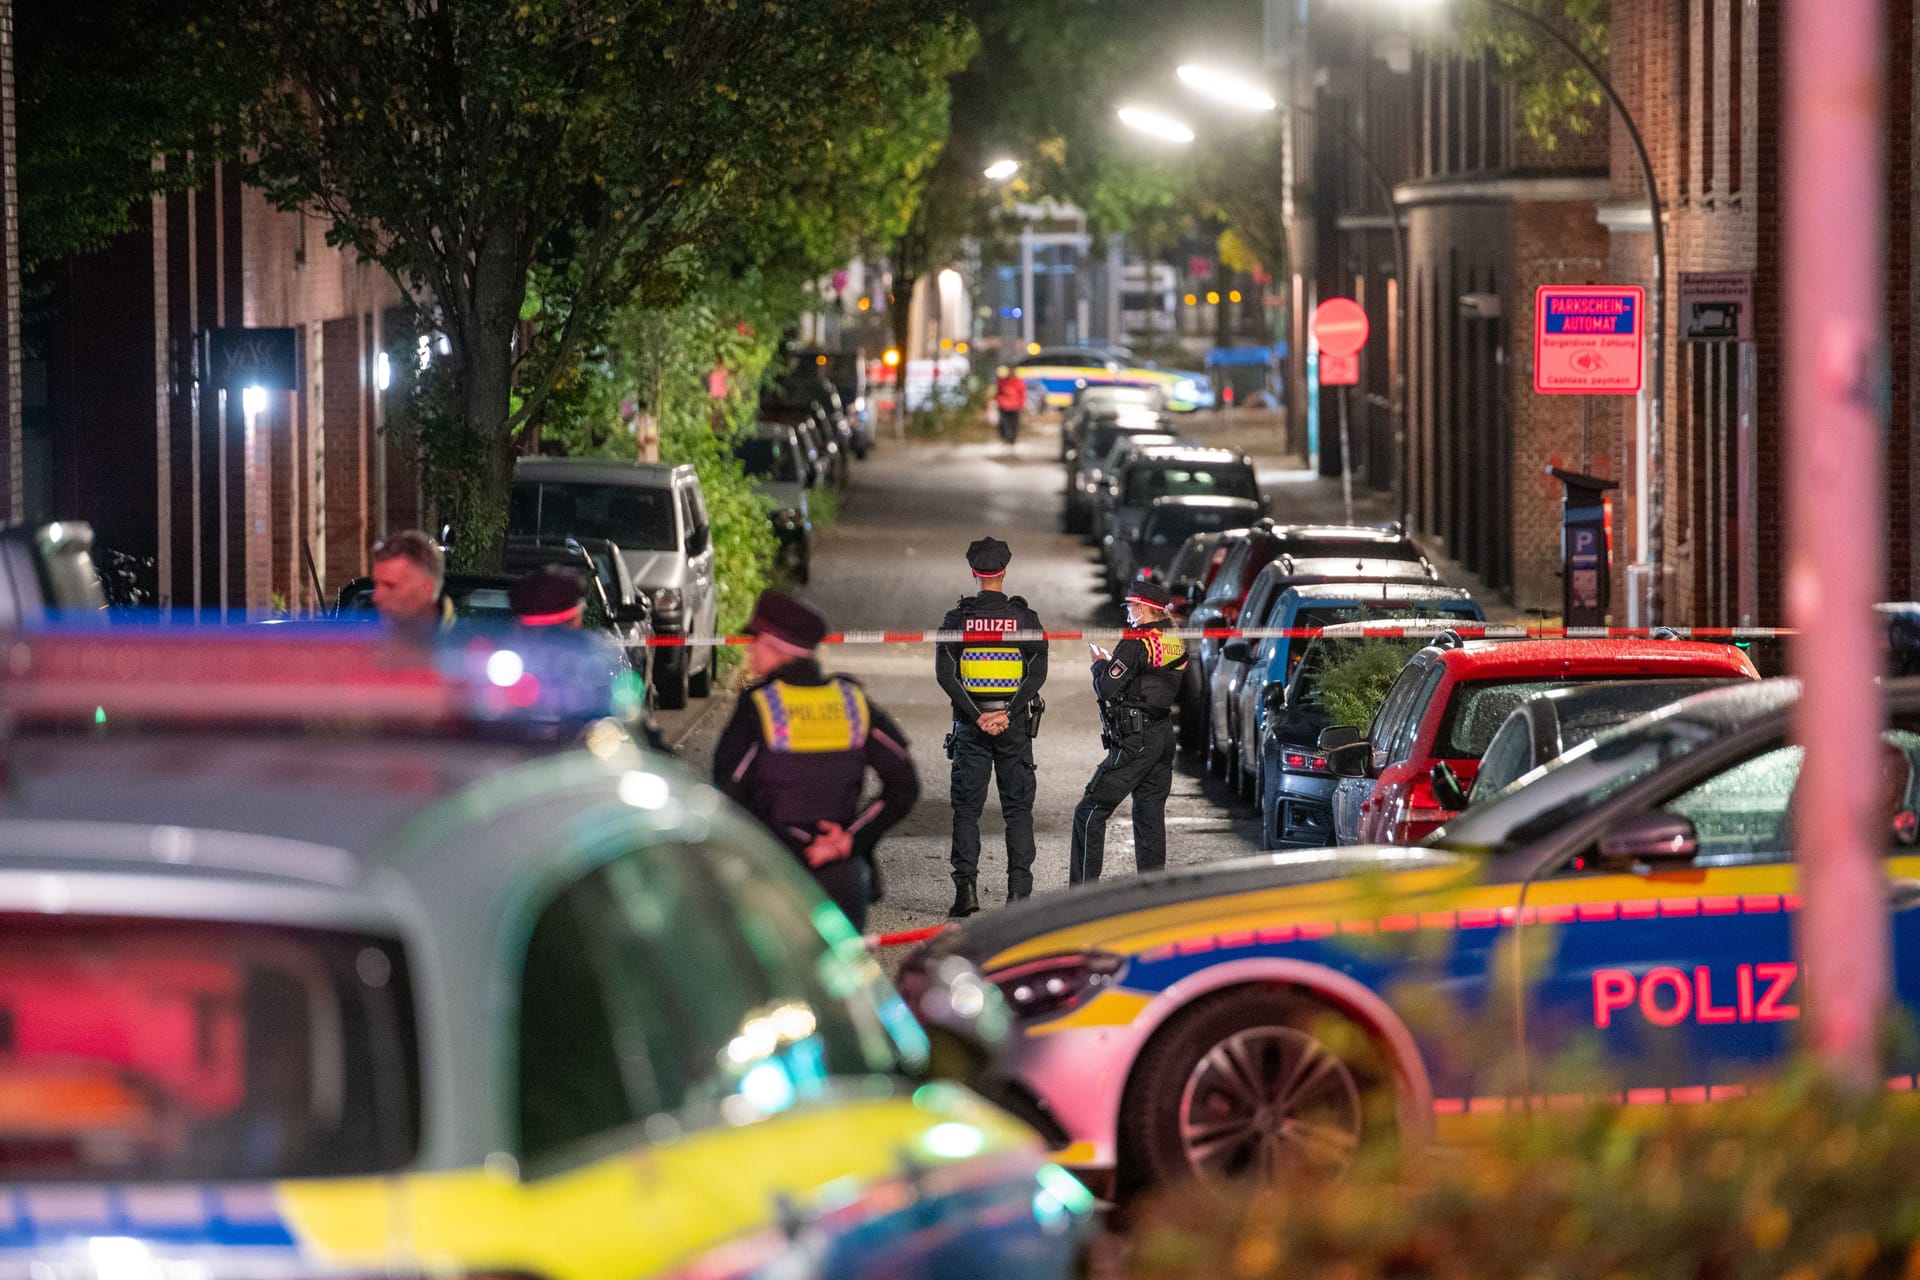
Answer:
(895, 561)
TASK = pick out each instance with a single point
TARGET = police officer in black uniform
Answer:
(797, 751)
(994, 687)
(1137, 685)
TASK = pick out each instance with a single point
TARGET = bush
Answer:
(1353, 688)
(1794, 1181)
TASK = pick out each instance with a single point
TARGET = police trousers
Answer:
(1138, 765)
(1007, 757)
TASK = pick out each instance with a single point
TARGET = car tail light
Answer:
(1294, 760)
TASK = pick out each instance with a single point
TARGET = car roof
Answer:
(599, 471)
(1346, 568)
(1397, 628)
(1485, 659)
(1188, 453)
(1409, 591)
(1200, 500)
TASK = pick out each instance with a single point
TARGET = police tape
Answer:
(1347, 631)
(904, 937)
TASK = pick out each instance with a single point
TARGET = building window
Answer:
(1683, 97)
(1736, 83)
(1708, 84)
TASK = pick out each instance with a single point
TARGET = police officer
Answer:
(1137, 685)
(797, 751)
(993, 686)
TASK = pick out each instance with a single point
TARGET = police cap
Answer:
(989, 557)
(548, 596)
(1148, 592)
(781, 617)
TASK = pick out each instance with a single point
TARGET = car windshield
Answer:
(1478, 708)
(136, 1049)
(1574, 782)
(769, 459)
(638, 518)
(1169, 527)
(1147, 481)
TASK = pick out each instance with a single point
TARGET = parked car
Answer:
(1311, 606)
(846, 373)
(364, 964)
(1169, 524)
(1447, 703)
(1229, 746)
(776, 463)
(1552, 723)
(1186, 574)
(657, 515)
(1296, 782)
(1172, 471)
(1242, 559)
(613, 603)
(47, 569)
(475, 597)
(1101, 500)
(1091, 402)
(1268, 1015)
(1087, 462)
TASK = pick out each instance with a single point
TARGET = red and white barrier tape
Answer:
(1389, 631)
(904, 937)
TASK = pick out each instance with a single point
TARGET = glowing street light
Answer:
(1225, 87)
(1155, 124)
(1001, 170)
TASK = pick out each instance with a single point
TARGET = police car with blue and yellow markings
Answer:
(1234, 1019)
(1054, 374)
(326, 955)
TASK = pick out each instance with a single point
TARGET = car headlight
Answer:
(667, 599)
(1186, 389)
(1055, 985)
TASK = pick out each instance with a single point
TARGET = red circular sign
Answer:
(1340, 326)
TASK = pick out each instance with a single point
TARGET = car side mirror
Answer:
(1350, 760)
(1194, 594)
(1447, 788)
(1240, 650)
(1656, 839)
(637, 611)
(1339, 735)
(1273, 699)
(697, 540)
(964, 1015)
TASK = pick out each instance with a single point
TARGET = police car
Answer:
(1054, 374)
(1234, 1019)
(325, 956)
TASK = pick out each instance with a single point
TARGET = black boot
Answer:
(965, 901)
(1015, 892)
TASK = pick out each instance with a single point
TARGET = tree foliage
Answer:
(1552, 94)
(101, 89)
(460, 144)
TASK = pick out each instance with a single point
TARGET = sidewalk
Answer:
(1304, 496)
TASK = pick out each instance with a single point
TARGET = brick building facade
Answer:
(1489, 215)
(228, 490)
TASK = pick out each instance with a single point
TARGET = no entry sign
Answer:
(1587, 339)
(1340, 327)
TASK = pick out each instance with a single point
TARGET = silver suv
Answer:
(657, 515)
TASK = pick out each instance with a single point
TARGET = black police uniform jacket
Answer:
(983, 672)
(1145, 671)
(796, 754)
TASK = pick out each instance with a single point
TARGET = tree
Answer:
(458, 143)
(102, 89)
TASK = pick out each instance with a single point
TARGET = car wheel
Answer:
(671, 681)
(700, 683)
(1216, 758)
(1269, 837)
(1253, 1084)
(803, 570)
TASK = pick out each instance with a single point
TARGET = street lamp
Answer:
(1652, 479)
(1155, 124)
(1226, 87)
(1001, 170)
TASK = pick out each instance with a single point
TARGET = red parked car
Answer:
(1447, 703)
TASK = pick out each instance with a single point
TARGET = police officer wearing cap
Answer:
(1137, 685)
(994, 686)
(797, 751)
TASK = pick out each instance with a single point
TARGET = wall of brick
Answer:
(345, 467)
